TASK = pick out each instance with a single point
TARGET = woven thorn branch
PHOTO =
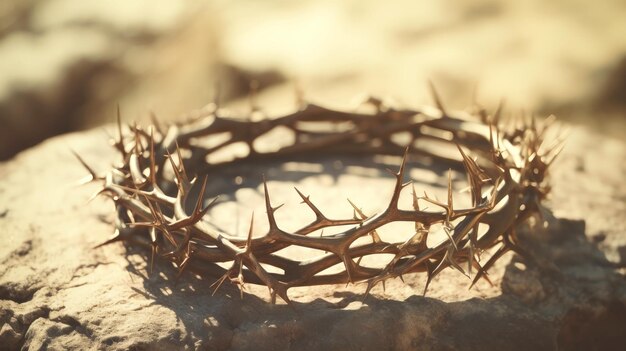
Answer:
(506, 175)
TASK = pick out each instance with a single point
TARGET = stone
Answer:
(58, 292)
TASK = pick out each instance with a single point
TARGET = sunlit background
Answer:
(66, 65)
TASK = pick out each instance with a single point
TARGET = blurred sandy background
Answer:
(66, 64)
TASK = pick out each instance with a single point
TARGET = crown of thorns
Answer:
(165, 210)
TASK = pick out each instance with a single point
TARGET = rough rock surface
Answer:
(58, 293)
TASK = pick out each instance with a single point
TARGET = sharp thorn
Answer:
(249, 241)
(200, 201)
(180, 160)
(436, 98)
(416, 205)
(85, 165)
(114, 238)
(153, 179)
(155, 122)
(498, 113)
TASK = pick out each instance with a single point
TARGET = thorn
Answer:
(358, 261)
(483, 274)
(362, 217)
(141, 224)
(346, 259)
(429, 277)
(96, 194)
(399, 185)
(501, 251)
(114, 238)
(92, 173)
(219, 282)
(272, 295)
(184, 263)
(307, 200)
(403, 163)
(268, 207)
(153, 245)
(447, 230)
(157, 215)
(155, 122)
(452, 261)
(470, 262)
(498, 113)
(153, 252)
(120, 141)
(198, 209)
(179, 180)
(136, 192)
(416, 205)
(138, 145)
(475, 176)
(436, 98)
(249, 241)
(498, 139)
(490, 136)
(358, 211)
(450, 198)
(182, 164)
(370, 285)
(559, 148)
(153, 179)
(240, 280)
(494, 192)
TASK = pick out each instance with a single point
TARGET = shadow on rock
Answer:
(565, 295)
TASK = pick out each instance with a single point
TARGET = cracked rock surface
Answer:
(58, 293)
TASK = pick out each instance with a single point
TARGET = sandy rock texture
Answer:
(58, 293)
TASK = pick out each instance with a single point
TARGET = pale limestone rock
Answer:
(56, 292)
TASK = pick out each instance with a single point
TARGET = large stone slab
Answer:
(57, 292)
